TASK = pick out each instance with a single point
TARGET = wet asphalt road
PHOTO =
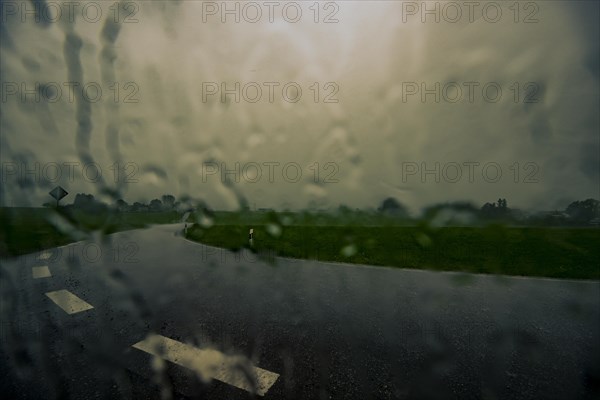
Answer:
(329, 331)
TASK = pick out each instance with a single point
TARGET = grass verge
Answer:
(25, 230)
(544, 252)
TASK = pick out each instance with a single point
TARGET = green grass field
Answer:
(549, 252)
(25, 230)
(546, 252)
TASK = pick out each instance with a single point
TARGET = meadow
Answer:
(555, 252)
(572, 253)
(25, 230)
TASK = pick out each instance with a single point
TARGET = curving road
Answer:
(148, 314)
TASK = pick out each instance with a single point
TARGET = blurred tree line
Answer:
(578, 213)
(87, 202)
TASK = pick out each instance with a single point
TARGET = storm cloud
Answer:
(385, 129)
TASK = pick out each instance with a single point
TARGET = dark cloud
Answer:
(169, 53)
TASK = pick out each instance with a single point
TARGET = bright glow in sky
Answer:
(372, 138)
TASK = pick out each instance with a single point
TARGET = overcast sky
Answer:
(541, 134)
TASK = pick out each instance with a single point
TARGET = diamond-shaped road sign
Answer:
(58, 193)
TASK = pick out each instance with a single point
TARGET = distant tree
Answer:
(83, 200)
(88, 203)
(168, 201)
(121, 205)
(156, 205)
(344, 209)
(584, 211)
(391, 206)
(488, 209)
(498, 210)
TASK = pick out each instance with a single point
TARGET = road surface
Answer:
(149, 314)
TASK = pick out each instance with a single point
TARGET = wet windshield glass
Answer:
(299, 199)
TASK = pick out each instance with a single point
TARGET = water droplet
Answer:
(274, 230)
(349, 251)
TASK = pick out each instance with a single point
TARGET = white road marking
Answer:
(41, 272)
(210, 364)
(70, 303)
(44, 256)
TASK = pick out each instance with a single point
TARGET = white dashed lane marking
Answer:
(70, 303)
(208, 363)
(41, 272)
(44, 256)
